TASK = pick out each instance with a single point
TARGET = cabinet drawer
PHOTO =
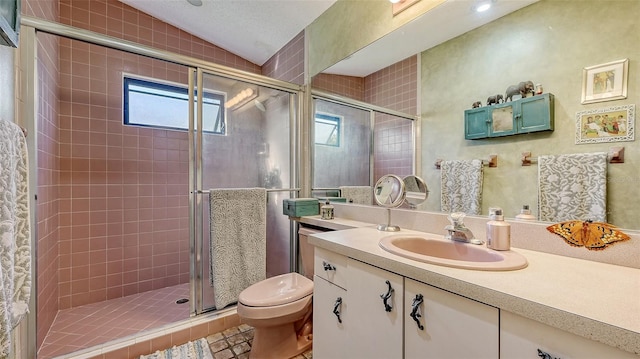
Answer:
(521, 337)
(330, 266)
(330, 321)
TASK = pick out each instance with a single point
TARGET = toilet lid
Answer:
(282, 289)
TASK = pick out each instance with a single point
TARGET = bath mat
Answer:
(198, 349)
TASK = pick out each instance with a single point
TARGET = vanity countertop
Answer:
(594, 300)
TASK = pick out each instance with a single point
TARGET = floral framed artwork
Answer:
(605, 82)
(611, 124)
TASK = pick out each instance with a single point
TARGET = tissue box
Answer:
(298, 207)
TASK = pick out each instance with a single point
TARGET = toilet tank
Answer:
(306, 249)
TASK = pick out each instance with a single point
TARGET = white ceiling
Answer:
(252, 29)
(256, 29)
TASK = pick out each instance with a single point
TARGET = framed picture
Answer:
(612, 124)
(605, 82)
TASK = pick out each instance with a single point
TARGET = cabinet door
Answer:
(521, 338)
(476, 123)
(502, 119)
(330, 339)
(453, 326)
(535, 113)
(379, 332)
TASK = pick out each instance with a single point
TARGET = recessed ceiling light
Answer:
(483, 7)
(195, 2)
(394, 1)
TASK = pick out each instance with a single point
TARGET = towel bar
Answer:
(615, 155)
(205, 191)
(491, 162)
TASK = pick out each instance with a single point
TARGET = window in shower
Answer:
(163, 105)
(327, 129)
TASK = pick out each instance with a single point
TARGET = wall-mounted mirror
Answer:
(460, 70)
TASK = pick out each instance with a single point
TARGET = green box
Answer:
(298, 207)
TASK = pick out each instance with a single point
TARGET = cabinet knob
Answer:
(385, 297)
(419, 299)
(327, 266)
(337, 306)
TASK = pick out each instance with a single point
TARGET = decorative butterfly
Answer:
(592, 235)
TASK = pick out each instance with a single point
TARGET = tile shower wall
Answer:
(288, 63)
(348, 86)
(394, 87)
(123, 189)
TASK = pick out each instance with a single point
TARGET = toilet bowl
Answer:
(280, 309)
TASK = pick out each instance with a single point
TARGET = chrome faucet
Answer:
(457, 231)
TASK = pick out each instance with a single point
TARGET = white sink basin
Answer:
(452, 254)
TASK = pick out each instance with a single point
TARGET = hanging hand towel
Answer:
(15, 235)
(572, 187)
(357, 194)
(238, 241)
(461, 189)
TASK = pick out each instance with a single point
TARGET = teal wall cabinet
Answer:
(531, 114)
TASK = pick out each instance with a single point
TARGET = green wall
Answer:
(549, 42)
(350, 25)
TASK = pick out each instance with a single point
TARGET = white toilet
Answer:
(280, 310)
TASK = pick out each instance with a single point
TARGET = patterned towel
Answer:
(15, 234)
(573, 187)
(461, 189)
(357, 194)
(238, 241)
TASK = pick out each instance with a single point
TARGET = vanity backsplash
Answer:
(525, 235)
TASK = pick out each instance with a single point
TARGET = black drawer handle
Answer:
(336, 308)
(327, 266)
(414, 310)
(545, 355)
(386, 297)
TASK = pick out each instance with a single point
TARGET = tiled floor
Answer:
(92, 324)
(235, 343)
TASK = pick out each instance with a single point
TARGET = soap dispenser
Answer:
(525, 214)
(326, 211)
(498, 231)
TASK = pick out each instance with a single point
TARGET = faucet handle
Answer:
(456, 219)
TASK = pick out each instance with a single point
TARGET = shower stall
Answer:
(129, 140)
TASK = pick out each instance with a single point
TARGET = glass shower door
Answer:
(243, 142)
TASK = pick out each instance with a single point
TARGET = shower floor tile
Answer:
(96, 323)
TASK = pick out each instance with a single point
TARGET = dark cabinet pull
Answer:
(328, 266)
(336, 308)
(386, 297)
(414, 310)
(545, 355)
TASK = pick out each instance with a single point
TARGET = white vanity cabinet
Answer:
(330, 306)
(452, 326)
(330, 311)
(375, 298)
(522, 338)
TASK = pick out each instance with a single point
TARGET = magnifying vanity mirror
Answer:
(416, 191)
(391, 191)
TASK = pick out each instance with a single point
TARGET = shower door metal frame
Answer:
(196, 205)
(199, 66)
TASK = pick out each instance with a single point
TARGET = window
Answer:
(327, 130)
(160, 105)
